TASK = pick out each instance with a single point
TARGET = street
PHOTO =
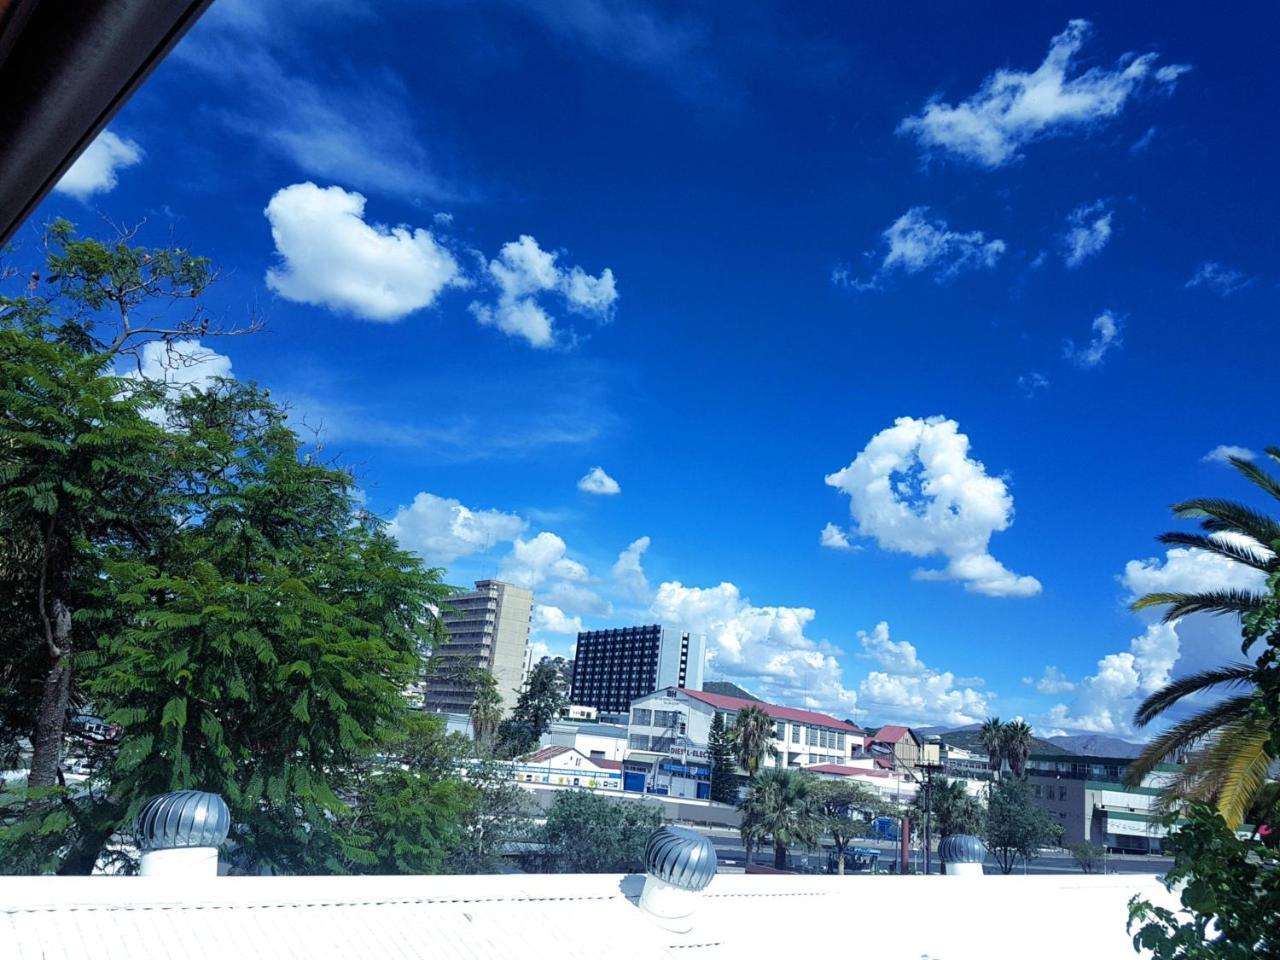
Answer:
(732, 857)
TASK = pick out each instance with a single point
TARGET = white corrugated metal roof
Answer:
(593, 917)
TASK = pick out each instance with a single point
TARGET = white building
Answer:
(669, 731)
(566, 767)
(599, 741)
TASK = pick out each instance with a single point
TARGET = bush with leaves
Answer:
(1090, 857)
(1230, 896)
(589, 833)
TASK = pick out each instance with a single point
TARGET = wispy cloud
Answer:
(918, 243)
(1106, 337)
(1012, 108)
(1088, 231)
(1220, 279)
(355, 128)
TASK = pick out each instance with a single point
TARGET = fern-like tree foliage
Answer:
(178, 563)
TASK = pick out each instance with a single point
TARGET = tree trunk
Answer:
(779, 856)
(840, 860)
(46, 743)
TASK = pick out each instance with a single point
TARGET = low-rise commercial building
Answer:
(599, 741)
(566, 767)
(1087, 796)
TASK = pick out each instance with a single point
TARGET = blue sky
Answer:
(892, 332)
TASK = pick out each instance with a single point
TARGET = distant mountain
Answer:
(724, 688)
(1095, 745)
(970, 738)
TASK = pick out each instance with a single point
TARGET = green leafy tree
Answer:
(589, 833)
(753, 739)
(541, 701)
(845, 808)
(782, 806)
(500, 814)
(1229, 890)
(265, 653)
(409, 809)
(1015, 826)
(724, 768)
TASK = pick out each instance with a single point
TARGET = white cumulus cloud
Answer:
(1051, 682)
(534, 561)
(835, 538)
(95, 170)
(599, 482)
(628, 571)
(1106, 336)
(440, 530)
(906, 690)
(1105, 701)
(524, 275)
(1013, 107)
(1088, 231)
(915, 489)
(549, 619)
(331, 257)
(1223, 453)
(765, 648)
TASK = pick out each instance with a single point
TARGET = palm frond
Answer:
(1226, 516)
(1217, 602)
(1259, 476)
(1187, 734)
(1234, 674)
(1240, 553)
(1237, 766)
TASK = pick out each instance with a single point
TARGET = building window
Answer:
(638, 741)
(641, 717)
(795, 733)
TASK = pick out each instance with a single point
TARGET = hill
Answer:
(1096, 745)
(971, 739)
(726, 689)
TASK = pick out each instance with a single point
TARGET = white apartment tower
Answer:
(489, 626)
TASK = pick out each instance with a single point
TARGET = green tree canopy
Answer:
(1016, 827)
(589, 833)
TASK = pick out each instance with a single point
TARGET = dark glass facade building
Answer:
(613, 667)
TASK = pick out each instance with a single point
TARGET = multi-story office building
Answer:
(490, 627)
(613, 667)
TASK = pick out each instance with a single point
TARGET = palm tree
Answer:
(1225, 745)
(993, 741)
(782, 806)
(1015, 743)
(1231, 530)
(753, 739)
